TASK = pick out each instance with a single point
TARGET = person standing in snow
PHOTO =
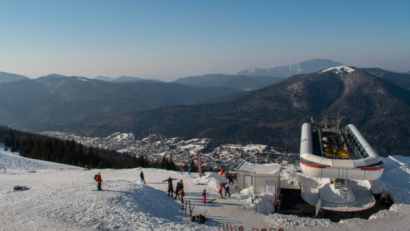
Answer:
(177, 189)
(181, 195)
(170, 187)
(204, 195)
(99, 180)
(189, 171)
(221, 187)
(142, 177)
(230, 179)
(227, 189)
(182, 184)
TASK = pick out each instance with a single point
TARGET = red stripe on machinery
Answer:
(313, 166)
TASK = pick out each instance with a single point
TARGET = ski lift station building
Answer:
(263, 178)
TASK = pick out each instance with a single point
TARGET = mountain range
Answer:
(9, 77)
(375, 100)
(399, 79)
(235, 81)
(309, 66)
(59, 100)
(123, 79)
(274, 115)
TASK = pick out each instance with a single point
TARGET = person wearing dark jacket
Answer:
(170, 187)
(182, 194)
(227, 189)
(177, 190)
(142, 177)
(204, 195)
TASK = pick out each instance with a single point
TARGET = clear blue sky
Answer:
(170, 39)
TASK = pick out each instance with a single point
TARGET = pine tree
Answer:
(30, 142)
(81, 154)
(6, 141)
(193, 166)
(58, 151)
(91, 157)
(164, 163)
(135, 161)
(12, 140)
(23, 148)
(17, 145)
(96, 159)
(115, 165)
(142, 161)
(36, 151)
(172, 164)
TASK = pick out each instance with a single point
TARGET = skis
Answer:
(101, 190)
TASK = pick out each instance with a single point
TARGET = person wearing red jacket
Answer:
(99, 180)
(221, 187)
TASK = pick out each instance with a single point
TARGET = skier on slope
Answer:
(189, 171)
(142, 177)
(204, 195)
(170, 187)
(99, 180)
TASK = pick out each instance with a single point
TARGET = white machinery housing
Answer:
(327, 150)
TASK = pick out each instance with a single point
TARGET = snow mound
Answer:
(264, 203)
(328, 192)
(13, 161)
(339, 69)
(395, 179)
(128, 206)
(359, 188)
(212, 179)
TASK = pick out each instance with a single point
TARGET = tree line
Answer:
(70, 152)
(55, 150)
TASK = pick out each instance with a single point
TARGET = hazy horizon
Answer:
(171, 39)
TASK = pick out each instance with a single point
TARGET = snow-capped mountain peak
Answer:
(339, 69)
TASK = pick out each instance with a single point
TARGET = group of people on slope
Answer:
(179, 190)
(227, 176)
(99, 180)
(224, 186)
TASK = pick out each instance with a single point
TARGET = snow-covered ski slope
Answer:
(62, 199)
(13, 162)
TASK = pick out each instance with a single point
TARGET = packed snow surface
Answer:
(328, 192)
(13, 162)
(62, 199)
(358, 198)
(339, 69)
